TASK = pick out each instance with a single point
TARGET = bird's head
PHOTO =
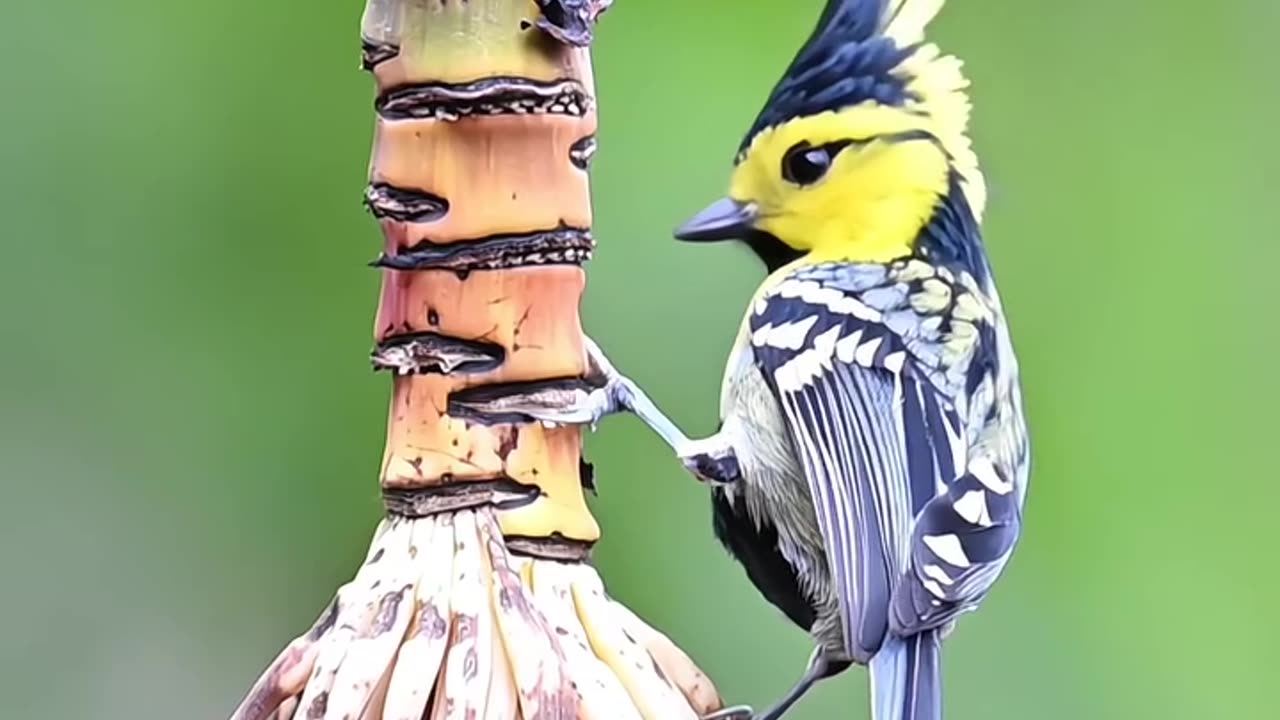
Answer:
(859, 143)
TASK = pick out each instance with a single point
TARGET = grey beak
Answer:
(723, 219)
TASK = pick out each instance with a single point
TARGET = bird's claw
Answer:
(585, 408)
(551, 406)
(737, 712)
(722, 470)
(711, 460)
(609, 392)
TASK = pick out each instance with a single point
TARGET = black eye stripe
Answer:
(805, 164)
(896, 137)
(834, 148)
(910, 135)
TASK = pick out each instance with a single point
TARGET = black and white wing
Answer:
(880, 446)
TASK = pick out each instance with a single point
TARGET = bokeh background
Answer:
(189, 432)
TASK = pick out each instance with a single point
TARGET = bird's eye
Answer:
(805, 164)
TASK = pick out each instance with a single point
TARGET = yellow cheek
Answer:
(748, 184)
(782, 227)
(797, 221)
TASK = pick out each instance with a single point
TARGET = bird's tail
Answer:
(906, 678)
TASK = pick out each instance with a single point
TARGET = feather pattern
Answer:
(874, 52)
(905, 20)
(845, 61)
(871, 401)
(917, 518)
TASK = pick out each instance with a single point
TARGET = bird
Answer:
(871, 465)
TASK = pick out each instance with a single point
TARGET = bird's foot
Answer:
(821, 666)
(606, 392)
(609, 392)
(711, 460)
(737, 712)
(551, 403)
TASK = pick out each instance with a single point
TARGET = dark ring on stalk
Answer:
(490, 96)
(490, 404)
(581, 152)
(387, 201)
(552, 547)
(373, 53)
(502, 493)
(571, 21)
(428, 352)
(561, 246)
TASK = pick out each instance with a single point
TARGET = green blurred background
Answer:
(189, 432)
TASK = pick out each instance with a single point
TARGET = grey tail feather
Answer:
(906, 678)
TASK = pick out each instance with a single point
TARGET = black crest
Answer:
(845, 61)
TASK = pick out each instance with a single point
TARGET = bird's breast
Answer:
(769, 513)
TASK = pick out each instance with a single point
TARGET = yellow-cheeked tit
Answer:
(871, 465)
(872, 460)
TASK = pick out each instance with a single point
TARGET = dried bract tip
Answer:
(429, 352)
(442, 615)
(582, 151)
(571, 21)
(373, 53)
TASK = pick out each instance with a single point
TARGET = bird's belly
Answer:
(767, 521)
